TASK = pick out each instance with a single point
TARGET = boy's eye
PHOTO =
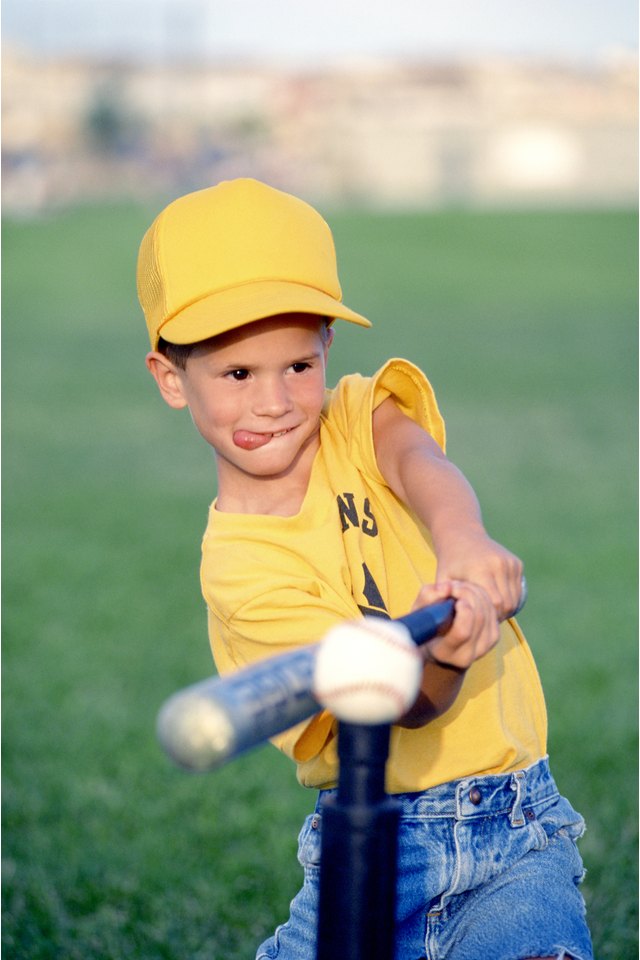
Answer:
(300, 366)
(240, 374)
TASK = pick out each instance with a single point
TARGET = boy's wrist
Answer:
(452, 667)
(447, 531)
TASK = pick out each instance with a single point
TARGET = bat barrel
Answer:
(208, 723)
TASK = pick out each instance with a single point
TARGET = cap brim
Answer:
(227, 309)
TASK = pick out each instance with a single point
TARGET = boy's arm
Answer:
(483, 577)
(420, 475)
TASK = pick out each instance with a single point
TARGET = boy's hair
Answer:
(179, 353)
(176, 353)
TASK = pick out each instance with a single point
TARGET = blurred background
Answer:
(478, 166)
(428, 105)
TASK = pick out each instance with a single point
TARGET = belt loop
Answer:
(517, 784)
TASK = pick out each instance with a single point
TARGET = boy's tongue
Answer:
(247, 440)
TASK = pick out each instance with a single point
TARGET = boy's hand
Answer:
(473, 633)
(475, 629)
(475, 558)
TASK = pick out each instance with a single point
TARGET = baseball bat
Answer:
(209, 723)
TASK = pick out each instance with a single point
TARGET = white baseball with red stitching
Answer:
(367, 671)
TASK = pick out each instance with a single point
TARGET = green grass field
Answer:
(526, 325)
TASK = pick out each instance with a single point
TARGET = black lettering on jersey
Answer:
(347, 510)
(349, 515)
(369, 525)
(371, 592)
(372, 612)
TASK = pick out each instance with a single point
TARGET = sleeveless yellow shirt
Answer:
(273, 583)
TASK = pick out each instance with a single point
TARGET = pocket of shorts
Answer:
(562, 827)
(309, 842)
(560, 818)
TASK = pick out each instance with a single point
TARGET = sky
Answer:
(297, 31)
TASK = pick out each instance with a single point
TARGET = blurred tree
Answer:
(109, 125)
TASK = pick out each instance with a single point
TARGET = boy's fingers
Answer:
(432, 593)
(487, 603)
(477, 614)
(505, 592)
(475, 628)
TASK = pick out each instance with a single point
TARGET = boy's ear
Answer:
(168, 378)
(329, 335)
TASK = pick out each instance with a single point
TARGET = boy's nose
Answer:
(272, 399)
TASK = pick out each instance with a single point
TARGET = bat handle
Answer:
(429, 622)
(432, 621)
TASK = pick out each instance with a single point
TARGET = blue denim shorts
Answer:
(487, 867)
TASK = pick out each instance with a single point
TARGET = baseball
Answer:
(367, 671)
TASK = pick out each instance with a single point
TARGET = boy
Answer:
(333, 504)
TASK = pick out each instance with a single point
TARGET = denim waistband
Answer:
(479, 796)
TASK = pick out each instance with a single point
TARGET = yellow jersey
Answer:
(274, 583)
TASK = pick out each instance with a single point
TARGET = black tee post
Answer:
(359, 852)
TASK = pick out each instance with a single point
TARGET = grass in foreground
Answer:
(526, 325)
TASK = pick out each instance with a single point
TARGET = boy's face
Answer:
(255, 394)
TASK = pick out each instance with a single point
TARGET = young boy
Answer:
(333, 504)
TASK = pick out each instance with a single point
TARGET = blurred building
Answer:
(398, 134)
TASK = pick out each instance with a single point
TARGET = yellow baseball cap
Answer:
(237, 252)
